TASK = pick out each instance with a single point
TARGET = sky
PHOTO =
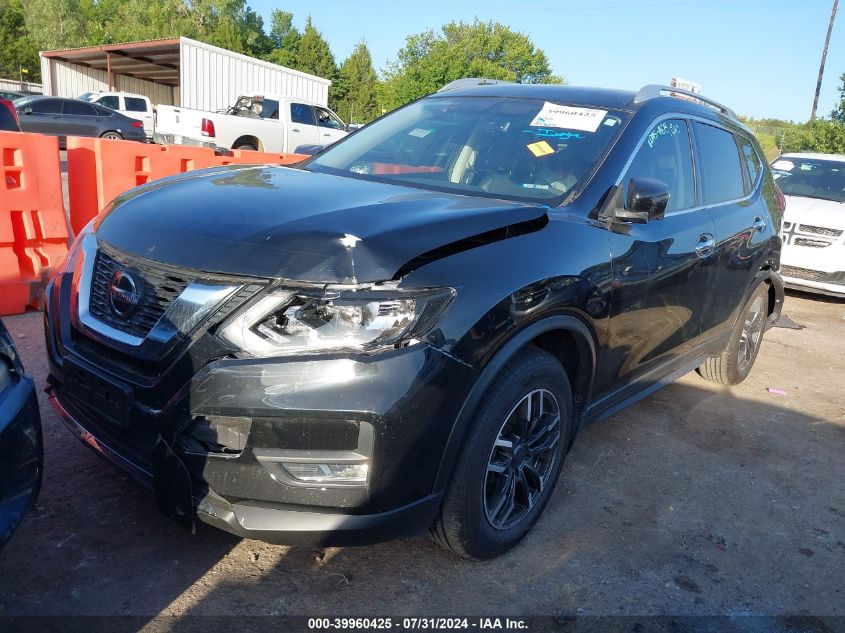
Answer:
(759, 57)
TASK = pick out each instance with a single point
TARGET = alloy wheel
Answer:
(752, 332)
(522, 459)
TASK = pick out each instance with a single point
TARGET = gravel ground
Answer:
(698, 500)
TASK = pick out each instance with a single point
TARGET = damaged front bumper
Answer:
(230, 444)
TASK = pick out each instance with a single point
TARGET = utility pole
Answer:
(824, 57)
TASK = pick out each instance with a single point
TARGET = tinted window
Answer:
(270, 109)
(721, 175)
(666, 156)
(109, 102)
(327, 119)
(301, 113)
(134, 104)
(101, 111)
(77, 108)
(45, 106)
(751, 160)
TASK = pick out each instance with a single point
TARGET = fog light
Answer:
(327, 473)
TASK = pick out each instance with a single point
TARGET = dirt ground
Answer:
(698, 500)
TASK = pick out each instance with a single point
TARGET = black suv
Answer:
(406, 331)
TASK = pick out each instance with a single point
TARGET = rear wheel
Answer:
(246, 146)
(114, 136)
(734, 364)
(511, 459)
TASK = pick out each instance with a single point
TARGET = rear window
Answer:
(721, 172)
(134, 104)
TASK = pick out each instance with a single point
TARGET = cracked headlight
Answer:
(289, 321)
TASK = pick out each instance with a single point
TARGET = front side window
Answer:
(110, 101)
(134, 104)
(302, 113)
(721, 172)
(44, 106)
(526, 149)
(666, 155)
(810, 177)
(325, 118)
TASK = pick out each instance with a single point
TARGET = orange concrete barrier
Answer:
(100, 170)
(33, 228)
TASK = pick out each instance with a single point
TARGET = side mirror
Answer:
(647, 200)
(27, 110)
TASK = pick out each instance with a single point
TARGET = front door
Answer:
(303, 128)
(662, 270)
(43, 116)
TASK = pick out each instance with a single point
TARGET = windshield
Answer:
(87, 96)
(525, 149)
(810, 178)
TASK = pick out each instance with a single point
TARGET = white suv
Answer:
(132, 105)
(813, 233)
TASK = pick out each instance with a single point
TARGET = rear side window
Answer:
(134, 104)
(666, 155)
(751, 161)
(77, 108)
(109, 102)
(301, 113)
(721, 172)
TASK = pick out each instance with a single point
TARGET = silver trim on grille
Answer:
(184, 313)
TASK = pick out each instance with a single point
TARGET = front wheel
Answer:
(112, 136)
(734, 364)
(511, 458)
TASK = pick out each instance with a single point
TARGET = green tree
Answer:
(58, 23)
(314, 56)
(480, 49)
(284, 39)
(819, 135)
(357, 87)
(17, 49)
(838, 113)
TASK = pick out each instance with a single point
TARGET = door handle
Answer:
(759, 224)
(706, 245)
(296, 129)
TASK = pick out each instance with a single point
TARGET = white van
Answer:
(134, 106)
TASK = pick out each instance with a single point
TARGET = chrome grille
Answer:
(801, 273)
(806, 241)
(819, 230)
(159, 286)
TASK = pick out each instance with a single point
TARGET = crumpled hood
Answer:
(815, 212)
(295, 224)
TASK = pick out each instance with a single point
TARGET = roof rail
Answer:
(467, 82)
(652, 91)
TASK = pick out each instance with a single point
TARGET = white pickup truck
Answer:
(267, 123)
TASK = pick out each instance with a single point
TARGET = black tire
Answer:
(246, 146)
(464, 524)
(734, 364)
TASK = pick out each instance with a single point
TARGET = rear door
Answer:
(731, 185)
(662, 270)
(80, 118)
(303, 128)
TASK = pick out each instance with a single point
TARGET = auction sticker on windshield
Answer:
(568, 117)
